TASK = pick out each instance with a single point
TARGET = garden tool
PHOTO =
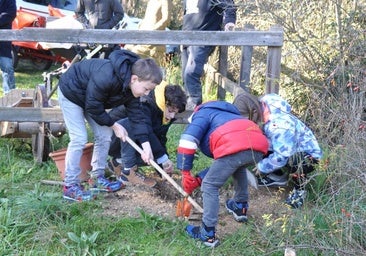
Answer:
(252, 180)
(185, 205)
(183, 208)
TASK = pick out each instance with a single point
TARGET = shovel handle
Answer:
(166, 176)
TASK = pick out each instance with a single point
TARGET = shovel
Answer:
(252, 180)
(184, 206)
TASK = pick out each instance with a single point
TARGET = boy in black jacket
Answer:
(159, 108)
(85, 91)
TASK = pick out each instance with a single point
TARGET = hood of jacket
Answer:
(276, 104)
(122, 61)
(219, 105)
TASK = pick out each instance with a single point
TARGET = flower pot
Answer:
(85, 162)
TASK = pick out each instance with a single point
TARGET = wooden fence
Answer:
(246, 38)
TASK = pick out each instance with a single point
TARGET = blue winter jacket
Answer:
(287, 135)
(218, 129)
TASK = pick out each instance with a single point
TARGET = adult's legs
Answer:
(6, 65)
(193, 60)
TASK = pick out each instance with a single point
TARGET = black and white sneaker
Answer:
(296, 198)
(272, 180)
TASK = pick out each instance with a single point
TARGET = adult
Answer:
(8, 12)
(100, 14)
(157, 17)
(204, 15)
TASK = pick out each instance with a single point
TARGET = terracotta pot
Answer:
(85, 162)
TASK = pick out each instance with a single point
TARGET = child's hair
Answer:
(249, 106)
(175, 97)
(147, 70)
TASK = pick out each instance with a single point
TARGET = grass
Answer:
(34, 220)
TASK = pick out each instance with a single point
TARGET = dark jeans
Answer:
(119, 149)
(193, 60)
(299, 164)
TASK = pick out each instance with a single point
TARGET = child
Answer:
(293, 149)
(85, 91)
(234, 143)
(159, 108)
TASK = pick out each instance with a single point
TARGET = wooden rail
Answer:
(247, 38)
(272, 38)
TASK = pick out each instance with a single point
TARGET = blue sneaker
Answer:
(238, 210)
(206, 235)
(77, 193)
(103, 184)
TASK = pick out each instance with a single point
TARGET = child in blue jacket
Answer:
(293, 149)
(219, 130)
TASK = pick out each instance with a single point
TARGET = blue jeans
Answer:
(6, 66)
(193, 60)
(75, 117)
(219, 172)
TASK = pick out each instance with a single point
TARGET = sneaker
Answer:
(136, 177)
(238, 210)
(208, 238)
(114, 167)
(122, 178)
(105, 185)
(77, 193)
(296, 198)
(272, 180)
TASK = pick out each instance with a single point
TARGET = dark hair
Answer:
(147, 70)
(249, 106)
(175, 97)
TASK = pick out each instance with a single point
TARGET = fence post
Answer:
(246, 62)
(223, 66)
(273, 66)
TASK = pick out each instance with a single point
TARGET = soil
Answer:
(162, 200)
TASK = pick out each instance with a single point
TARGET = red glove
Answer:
(189, 182)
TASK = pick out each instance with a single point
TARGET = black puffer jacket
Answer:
(157, 130)
(100, 84)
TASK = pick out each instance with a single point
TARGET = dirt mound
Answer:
(161, 200)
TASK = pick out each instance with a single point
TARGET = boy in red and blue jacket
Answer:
(219, 130)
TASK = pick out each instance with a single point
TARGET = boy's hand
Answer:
(229, 26)
(168, 167)
(189, 182)
(120, 131)
(257, 172)
(148, 155)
